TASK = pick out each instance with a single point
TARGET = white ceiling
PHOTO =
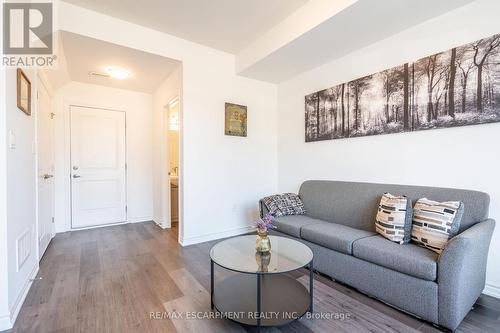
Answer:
(227, 25)
(84, 55)
(273, 40)
(362, 23)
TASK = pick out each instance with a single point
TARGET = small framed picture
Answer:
(236, 120)
(23, 92)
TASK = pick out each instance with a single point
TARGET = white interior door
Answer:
(45, 156)
(98, 169)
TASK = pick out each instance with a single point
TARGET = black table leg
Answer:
(311, 279)
(258, 303)
(212, 284)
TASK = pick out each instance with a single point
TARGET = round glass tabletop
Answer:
(238, 254)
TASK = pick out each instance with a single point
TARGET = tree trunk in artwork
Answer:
(451, 86)
(491, 92)
(307, 124)
(446, 87)
(334, 110)
(429, 103)
(348, 111)
(317, 116)
(323, 116)
(464, 93)
(343, 109)
(406, 111)
(431, 67)
(446, 109)
(436, 109)
(387, 97)
(413, 111)
(480, 88)
(356, 105)
(464, 80)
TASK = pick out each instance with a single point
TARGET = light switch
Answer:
(12, 140)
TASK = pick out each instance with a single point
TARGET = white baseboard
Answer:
(492, 290)
(99, 226)
(162, 226)
(134, 220)
(16, 307)
(215, 235)
(140, 219)
(159, 222)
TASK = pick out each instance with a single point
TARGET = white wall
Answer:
(20, 195)
(224, 176)
(475, 162)
(138, 108)
(4, 278)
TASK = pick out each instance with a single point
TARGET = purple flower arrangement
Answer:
(265, 223)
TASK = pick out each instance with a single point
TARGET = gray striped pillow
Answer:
(434, 223)
(394, 218)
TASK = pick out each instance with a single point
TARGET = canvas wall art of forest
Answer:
(454, 88)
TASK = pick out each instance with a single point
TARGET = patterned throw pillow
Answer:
(394, 218)
(284, 204)
(434, 223)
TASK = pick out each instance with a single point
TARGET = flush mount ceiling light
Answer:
(117, 73)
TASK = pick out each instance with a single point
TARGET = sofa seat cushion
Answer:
(408, 258)
(334, 236)
(291, 224)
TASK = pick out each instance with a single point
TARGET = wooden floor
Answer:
(111, 280)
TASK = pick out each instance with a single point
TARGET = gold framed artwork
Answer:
(23, 92)
(235, 120)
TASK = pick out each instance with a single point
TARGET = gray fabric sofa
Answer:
(339, 228)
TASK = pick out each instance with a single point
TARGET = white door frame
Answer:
(42, 83)
(67, 161)
(165, 167)
(166, 191)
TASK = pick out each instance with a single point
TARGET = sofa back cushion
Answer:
(356, 204)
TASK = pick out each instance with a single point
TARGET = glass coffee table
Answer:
(259, 292)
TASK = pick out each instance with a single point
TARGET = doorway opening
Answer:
(172, 121)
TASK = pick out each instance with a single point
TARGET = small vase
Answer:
(263, 243)
(263, 259)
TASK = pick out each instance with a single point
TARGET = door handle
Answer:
(47, 176)
(76, 176)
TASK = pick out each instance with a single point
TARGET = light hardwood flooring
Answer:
(111, 280)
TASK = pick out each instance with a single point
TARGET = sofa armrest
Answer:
(462, 272)
(263, 209)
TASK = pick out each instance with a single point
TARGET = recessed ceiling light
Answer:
(99, 74)
(117, 73)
